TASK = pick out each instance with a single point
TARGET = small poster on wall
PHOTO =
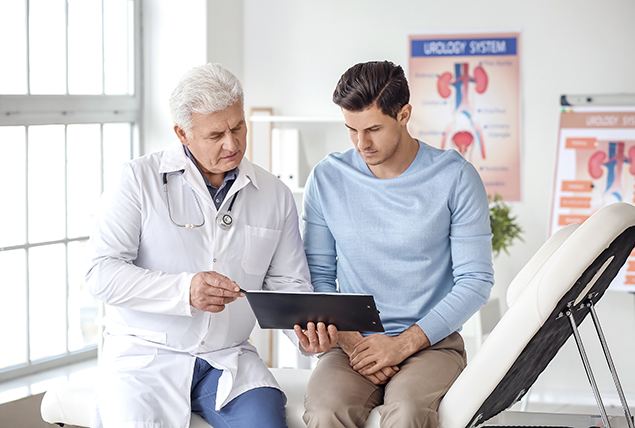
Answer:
(595, 167)
(465, 93)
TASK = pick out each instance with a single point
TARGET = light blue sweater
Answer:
(420, 243)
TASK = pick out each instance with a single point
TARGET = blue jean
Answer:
(259, 407)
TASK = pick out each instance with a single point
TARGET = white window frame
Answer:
(32, 110)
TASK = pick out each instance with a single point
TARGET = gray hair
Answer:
(205, 89)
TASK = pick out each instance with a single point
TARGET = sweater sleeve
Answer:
(319, 244)
(471, 251)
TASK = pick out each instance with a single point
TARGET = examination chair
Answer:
(547, 300)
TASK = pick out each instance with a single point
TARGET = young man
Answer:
(409, 224)
(185, 227)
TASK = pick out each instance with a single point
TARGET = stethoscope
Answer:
(224, 221)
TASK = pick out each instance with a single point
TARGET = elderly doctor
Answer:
(182, 230)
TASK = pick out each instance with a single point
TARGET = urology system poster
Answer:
(595, 167)
(465, 93)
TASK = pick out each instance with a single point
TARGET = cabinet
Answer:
(290, 146)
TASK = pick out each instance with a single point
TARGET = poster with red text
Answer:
(595, 167)
(465, 93)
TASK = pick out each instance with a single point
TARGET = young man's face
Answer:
(376, 136)
(217, 141)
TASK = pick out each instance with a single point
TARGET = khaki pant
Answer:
(338, 396)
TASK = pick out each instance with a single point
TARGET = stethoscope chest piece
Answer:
(225, 221)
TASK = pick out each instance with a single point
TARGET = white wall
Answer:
(295, 51)
(225, 34)
(176, 37)
(174, 40)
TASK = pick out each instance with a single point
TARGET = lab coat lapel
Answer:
(175, 159)
(246, 176)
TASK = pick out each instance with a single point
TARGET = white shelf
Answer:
(297, 119)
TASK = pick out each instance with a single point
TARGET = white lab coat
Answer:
(142, 265)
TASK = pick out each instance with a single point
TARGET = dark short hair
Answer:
(377, 82)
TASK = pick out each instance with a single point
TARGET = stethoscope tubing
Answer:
(225, 221)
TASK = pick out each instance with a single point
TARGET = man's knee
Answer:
(316, 400)
(337, 408)
(325, 416)
(408, 414)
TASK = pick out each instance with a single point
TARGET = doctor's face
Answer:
(217, 141)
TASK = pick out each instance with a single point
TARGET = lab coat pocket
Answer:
(136, 334)
(125, 355)
(260, 245)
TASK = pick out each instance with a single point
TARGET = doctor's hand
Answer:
(211, 291)
(316, 339)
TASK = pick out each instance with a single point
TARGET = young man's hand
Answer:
(348, 341)
(377, 352)
(317, 339)
(382, 376)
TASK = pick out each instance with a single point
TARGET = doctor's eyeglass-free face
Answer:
(217, 141)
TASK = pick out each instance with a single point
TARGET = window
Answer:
(69, 114)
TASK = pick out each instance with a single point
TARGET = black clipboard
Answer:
(283, 310)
